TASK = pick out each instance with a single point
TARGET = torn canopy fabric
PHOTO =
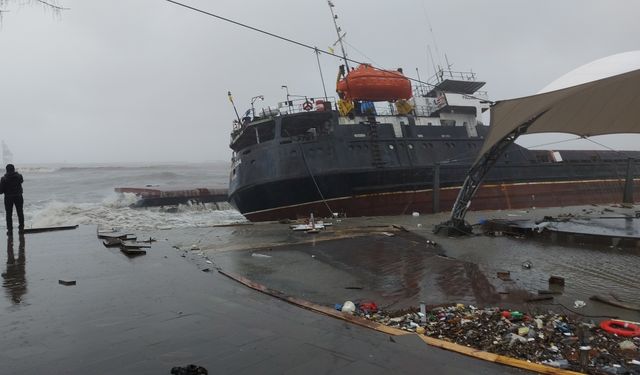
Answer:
(606, 106)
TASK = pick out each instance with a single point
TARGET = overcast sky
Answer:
(146, 80)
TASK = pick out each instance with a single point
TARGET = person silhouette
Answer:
(15, 280)
(11, 186)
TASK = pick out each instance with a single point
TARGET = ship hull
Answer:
(489, 197)
(295, 165)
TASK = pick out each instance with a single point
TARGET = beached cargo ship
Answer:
(375, 151)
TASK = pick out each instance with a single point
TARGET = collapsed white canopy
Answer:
(606, 106)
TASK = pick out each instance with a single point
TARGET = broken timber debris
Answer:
(49, 229)
(112, 242)
(556, 280)
(613, 302)
(126, 241)
(132, 251)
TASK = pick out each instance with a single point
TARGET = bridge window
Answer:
(307, 125)
(266, 131)
(448, 122)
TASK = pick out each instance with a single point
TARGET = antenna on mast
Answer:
(7, 156)
(435, 70)
(338, 31)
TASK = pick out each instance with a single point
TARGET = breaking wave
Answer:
(115, 211)
(35, 170)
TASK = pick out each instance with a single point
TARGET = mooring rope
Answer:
(304, 159)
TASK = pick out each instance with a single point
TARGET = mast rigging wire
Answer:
(289, 40)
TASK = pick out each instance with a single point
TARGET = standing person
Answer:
(11, 186)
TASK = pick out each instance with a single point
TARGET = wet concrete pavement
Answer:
(395, 273)
(393, 268)
(147, 314)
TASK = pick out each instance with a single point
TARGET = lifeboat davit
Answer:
(368, 83)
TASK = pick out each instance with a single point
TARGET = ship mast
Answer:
(7, 156)
(334, 17)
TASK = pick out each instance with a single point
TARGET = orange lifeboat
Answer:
(368, 83)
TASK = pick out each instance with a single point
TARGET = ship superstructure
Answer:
(361, 157)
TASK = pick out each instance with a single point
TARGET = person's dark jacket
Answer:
(11, 184)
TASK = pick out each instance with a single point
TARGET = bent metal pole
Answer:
(456, 223)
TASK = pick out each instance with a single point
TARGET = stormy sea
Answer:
(70, 194)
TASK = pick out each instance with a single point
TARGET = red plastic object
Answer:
(369, 306)
(620, 328)
(368, 83)
(506, 314)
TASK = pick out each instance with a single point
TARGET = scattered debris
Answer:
(579, 304)
(553, 339)
(504, 275)
(134, 245)
(258, 255)
(189, 370)
(126, 241)
(556, 280)
(628, 345)
(527, 264)
(348, 307)
(67, 282)
(132, 250)
(542, 292)
(112, 242)
(311, 226)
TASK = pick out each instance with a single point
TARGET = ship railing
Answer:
(302, 104)
(481, 95)
(425, 110)
(299, 105)
(442, 74)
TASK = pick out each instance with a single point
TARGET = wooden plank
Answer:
(49, 229)
(112, 242)
(496, 358)
(314, 307)
(122, 236)
(476, 353)
(133, 251)
(135, 245)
